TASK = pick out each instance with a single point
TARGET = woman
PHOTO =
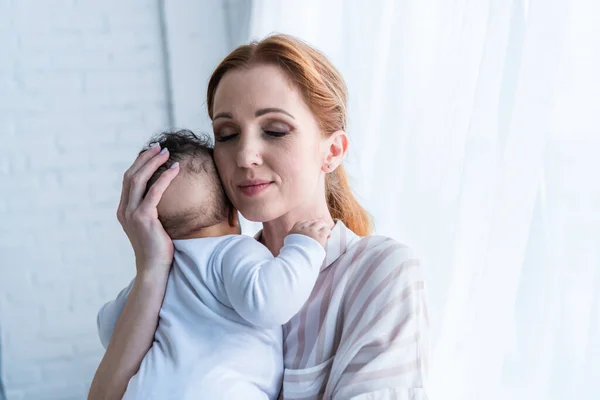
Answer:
(279, 113)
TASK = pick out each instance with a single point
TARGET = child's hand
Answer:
(316, 229)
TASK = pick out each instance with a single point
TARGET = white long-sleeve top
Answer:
(219, 334)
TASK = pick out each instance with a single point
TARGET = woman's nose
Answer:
(248, 154)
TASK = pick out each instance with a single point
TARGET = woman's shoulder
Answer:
(384, 318)
(374, 258)
(384, 280)
(382, 248)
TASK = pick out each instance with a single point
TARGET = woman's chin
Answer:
(258, 213)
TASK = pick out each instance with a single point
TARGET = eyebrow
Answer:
(223, 115)
(258, 113)
(268, 110)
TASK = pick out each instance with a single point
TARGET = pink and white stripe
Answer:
(363, 332)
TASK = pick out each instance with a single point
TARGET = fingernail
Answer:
(175, 165)
(153, 145)
(163, 151)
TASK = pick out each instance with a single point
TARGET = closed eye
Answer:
(225, 138)
(275, 133)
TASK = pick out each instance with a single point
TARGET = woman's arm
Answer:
(131, 339)
(134, 332)
(109, 314)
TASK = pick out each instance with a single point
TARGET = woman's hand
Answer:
(134, 331)
(138, 215)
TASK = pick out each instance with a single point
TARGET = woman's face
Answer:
(268, 147)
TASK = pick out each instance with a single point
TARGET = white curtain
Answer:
(475, 138)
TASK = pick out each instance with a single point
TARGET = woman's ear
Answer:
(337, 145)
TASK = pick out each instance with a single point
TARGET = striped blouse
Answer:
(363, 332)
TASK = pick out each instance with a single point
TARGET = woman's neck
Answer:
(276, 230)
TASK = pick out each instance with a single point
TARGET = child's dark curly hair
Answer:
(195, 155)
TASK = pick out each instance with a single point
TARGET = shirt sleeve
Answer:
(384, 353)
(268, 291)
(109, 315)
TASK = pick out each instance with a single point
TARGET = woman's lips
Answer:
(254, 189)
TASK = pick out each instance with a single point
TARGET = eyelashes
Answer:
(275, 133)
(225, 138)
(272, 134)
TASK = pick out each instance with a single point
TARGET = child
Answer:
(219, 334)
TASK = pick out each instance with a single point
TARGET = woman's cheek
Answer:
(300, 178)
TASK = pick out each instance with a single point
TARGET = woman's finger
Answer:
(137, 164)
(140, 179)
(158, 188)
(143, 158)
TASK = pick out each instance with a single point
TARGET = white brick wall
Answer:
(82, 87)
